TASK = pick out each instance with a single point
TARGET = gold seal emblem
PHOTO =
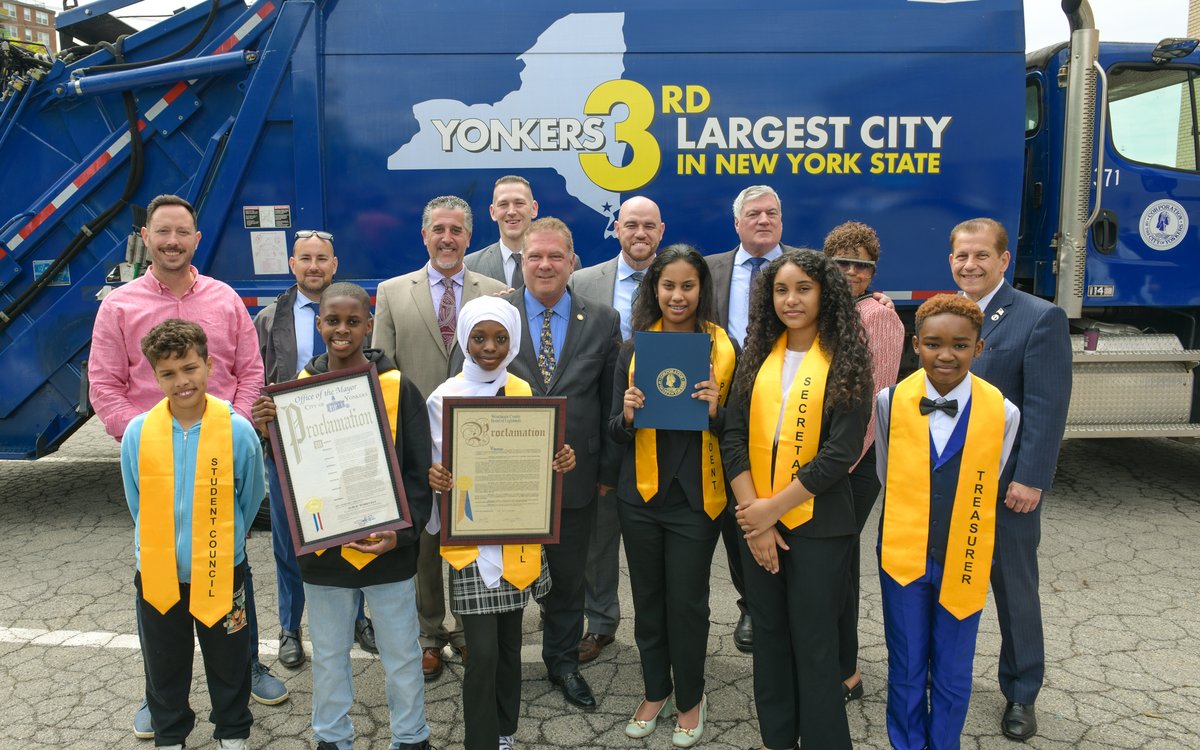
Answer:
(314, 505)
(671, 382)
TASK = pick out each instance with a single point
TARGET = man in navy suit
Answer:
(1027, 355)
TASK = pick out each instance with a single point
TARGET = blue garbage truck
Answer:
(348, 115)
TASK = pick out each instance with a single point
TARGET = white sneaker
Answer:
(235, 744)
(506, 742)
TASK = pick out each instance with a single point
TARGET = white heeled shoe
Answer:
(637, 729)
(687, 737)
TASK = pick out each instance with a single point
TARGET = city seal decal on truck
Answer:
(1163, 224)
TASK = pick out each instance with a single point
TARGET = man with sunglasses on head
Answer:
(287, 340)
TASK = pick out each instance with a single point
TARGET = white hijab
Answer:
(475, 381)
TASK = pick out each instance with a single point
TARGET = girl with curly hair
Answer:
(670, 499)
(797, 417)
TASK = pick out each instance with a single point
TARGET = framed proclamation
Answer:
(500, 452)
(332, 442)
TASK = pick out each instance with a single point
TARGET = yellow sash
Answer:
(801, 429)
(522, 562)
(390, 385)
(212, 513)
(646, 440)
(906, 500)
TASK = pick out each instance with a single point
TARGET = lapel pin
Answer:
(579, 316)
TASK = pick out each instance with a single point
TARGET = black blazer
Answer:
(827, 475)
(584, 376)
(679, 451)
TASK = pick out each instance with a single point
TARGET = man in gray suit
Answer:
(569, 349)
(1027, 355)
(415, 317)
(616, 282)
(512, 208)
(758, 221)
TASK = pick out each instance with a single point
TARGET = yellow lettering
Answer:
(634, 131)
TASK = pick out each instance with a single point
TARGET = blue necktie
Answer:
(637, 277)
(756, 265)
(318, 343)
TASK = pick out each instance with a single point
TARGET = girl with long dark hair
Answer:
(670, 503)
(797, 417)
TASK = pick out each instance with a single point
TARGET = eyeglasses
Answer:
(859, 265)
(304, 234)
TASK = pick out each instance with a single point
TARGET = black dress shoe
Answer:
(364, 633)
(291, 652)
(1019, 722)
(743, 634)
(575, 689)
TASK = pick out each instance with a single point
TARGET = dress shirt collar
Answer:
(986, 299)
(742, 255)
(624, 270)
(535, 309)
(436, 276)
(960, 392)
(196, 286)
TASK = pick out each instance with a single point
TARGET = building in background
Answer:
(28, 22)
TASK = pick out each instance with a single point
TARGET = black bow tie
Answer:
(949, 406)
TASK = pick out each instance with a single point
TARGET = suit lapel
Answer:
(422, 300)
(609, 274)
(575, 320)
(997, 310)
(528, 352)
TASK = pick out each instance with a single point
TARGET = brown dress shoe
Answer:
(462, 652)
(591, 645)
(431, 663)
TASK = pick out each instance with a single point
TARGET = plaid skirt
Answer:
(469, 596)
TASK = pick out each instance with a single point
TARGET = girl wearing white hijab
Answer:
(489, 585)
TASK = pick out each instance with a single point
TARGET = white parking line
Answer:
(530, 653)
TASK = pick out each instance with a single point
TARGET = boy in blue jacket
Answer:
(193, 476)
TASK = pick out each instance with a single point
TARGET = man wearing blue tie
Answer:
(1027, 355)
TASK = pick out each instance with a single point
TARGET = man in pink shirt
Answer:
(121, 381)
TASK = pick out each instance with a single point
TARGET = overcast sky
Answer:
(1118, 20)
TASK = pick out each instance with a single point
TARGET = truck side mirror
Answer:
(1171, 48)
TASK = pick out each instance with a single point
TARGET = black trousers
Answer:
(864, 487)
(492, 683)
(731, 536)
(563, 606)
(167, 653)
(797, 682)
(669, 548)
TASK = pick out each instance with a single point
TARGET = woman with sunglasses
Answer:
(854, 247)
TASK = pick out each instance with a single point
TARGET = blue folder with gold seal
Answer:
(666, 367)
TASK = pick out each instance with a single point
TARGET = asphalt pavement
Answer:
(1120, 559)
